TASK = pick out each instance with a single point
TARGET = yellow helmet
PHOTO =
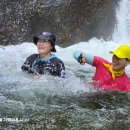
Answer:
(123, 51)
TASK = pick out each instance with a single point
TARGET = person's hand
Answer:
(79, 57)
(83, 60)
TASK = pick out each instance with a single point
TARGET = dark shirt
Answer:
(36, 65)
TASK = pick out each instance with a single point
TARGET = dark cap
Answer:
(46, 36)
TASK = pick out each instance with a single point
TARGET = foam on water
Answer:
(63, 100)
(16, 86)
(12, 57)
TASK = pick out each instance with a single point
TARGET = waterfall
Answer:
(122, 30)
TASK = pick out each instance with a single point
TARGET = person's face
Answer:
(43, 46)
(119, 63)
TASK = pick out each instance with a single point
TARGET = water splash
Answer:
(122, 30)
(53, 103)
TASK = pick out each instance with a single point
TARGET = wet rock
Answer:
(71, 21)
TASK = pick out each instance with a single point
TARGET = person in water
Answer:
(109, 76)
(44, 62)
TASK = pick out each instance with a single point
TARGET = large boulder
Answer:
(71, 21)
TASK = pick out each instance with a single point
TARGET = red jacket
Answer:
(103, 77)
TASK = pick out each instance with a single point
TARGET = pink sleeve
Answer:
(98, 60)
(127, 88)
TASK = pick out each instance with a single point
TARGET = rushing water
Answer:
(61, 104)
(122, 30)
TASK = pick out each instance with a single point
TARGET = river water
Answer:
(72, 103)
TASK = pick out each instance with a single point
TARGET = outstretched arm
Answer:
(83, 58)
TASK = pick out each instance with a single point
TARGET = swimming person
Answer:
(44, 62)
(109, 76)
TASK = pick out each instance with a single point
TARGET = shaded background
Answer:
(71, 21)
